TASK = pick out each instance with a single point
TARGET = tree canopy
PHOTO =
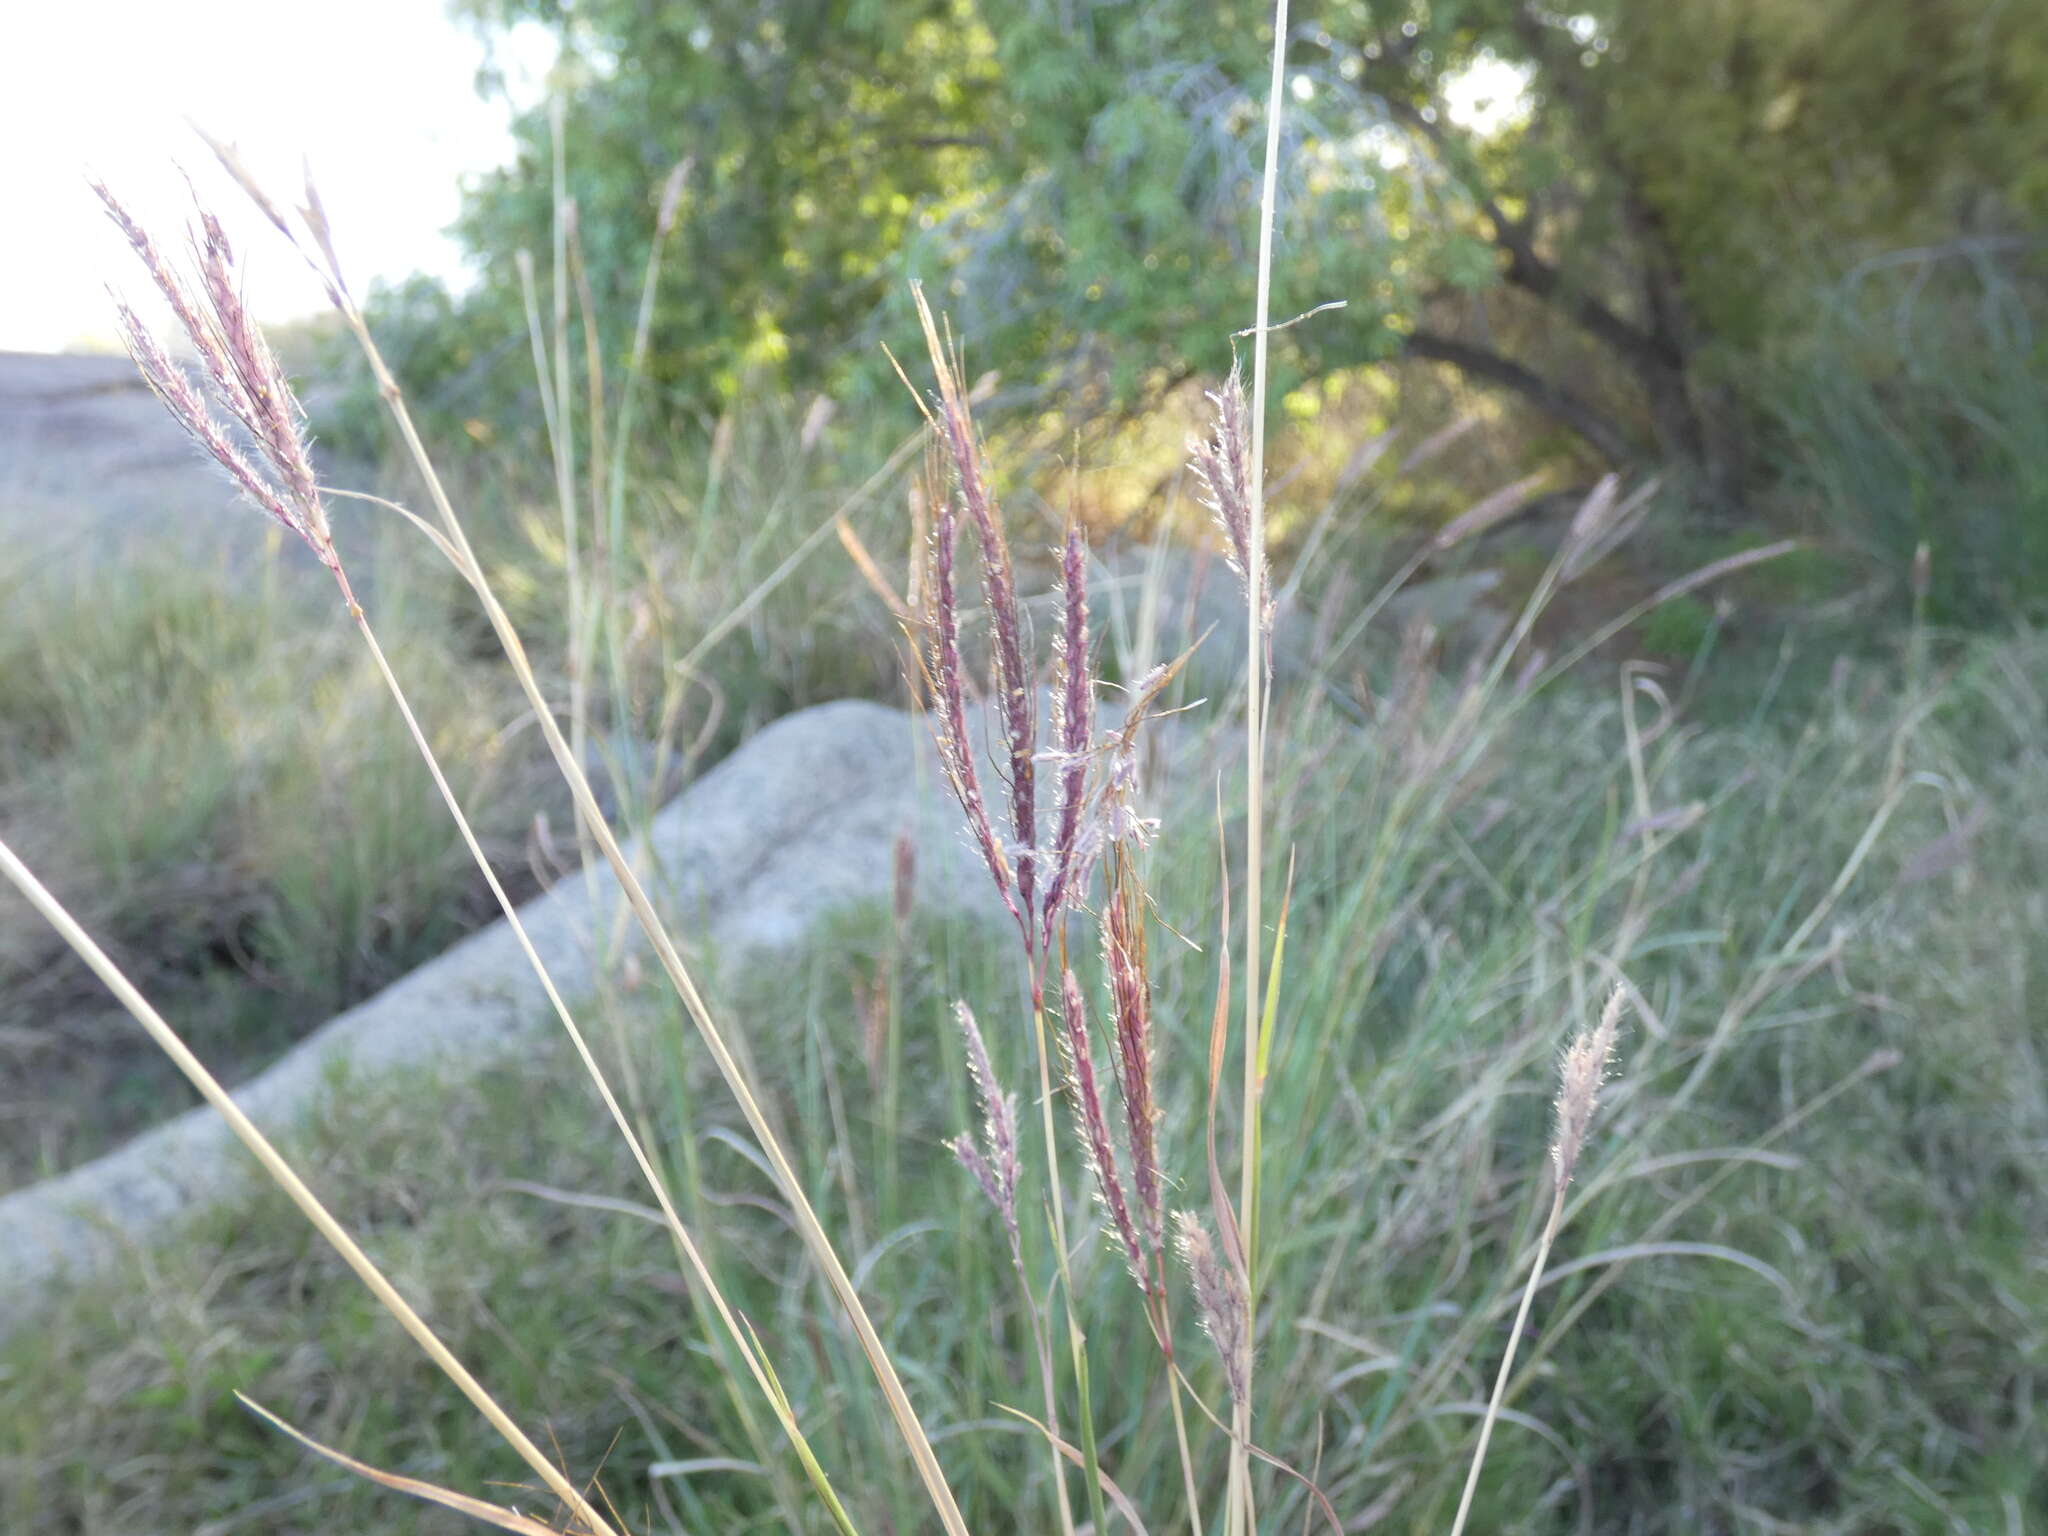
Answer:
(1600, 212)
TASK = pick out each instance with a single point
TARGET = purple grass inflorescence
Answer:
(1093, 1125)
(994, 1163)
(242, 380)
(1222, 467)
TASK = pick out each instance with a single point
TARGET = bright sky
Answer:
(378, 95)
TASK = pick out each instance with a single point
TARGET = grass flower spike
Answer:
(242, 380)
(1583, 1070)
(1092, 1124)
(994, 1163)
(1073, 728)
(1580, 1075)
(1219, 1301)
(1222, 467)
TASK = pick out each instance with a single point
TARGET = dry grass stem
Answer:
(286, 1178)
(1580, 1074)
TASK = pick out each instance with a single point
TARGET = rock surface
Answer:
(89, 458)
(801, 821)
(92, 467)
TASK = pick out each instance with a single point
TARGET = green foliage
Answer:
(818, 131)
(1849, 1343)
(1677, 629)
(1918, 414)
(1080, 182)
(207, 765)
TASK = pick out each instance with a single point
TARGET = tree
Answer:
(1602, 238)
(818, 131)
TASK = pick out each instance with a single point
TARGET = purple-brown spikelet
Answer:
(1222, 465)
(153, 262)
(1219, 1301)
(1011, 670)
(169, 384)
(1130, 990)
(1118, 818)
(268, 409)
(1016, 696)
(994, 1164)
(242, 377)
(1073, 726)
(1093, 1125)
(949, 689)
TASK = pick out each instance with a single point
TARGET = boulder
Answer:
(801, 821)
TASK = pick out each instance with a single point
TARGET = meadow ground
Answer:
(1786, 824)
(1801, 1287)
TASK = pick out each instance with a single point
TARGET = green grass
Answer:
(209, 771)
(205, 764)
(1848, 1339)
(1917, 413)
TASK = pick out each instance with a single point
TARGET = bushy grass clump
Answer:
(1798, 1279)
(1773, 1205)
(213, 776)
(210, 776)
(1919, 415)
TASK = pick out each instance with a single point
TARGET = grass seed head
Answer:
(1222, 467)
(1582, 1072)
(1219, 1301)
(994, 1164)
(947, 684)
(1093, 1125)
(1130, 987)
(242, 380)
(1073, 727)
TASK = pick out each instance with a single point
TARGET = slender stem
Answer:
(1174, 1385)
(168, 1040)
(1239, 1516)
(657, 1185)
(809, 1228)
(1091, 1461)
(1041, 1342)
(1507, 1363)
(565, 439)
(1077, 1345)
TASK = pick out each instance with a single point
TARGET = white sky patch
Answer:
(1487, 97)
(379, 96)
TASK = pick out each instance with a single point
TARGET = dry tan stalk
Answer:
(1240, 1515)
(1580, 1075)
(810, 1229)
(282, 1173)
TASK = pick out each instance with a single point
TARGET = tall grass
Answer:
(232, 812)
(1919, 415)
(1434, 945)
(1811, 1286)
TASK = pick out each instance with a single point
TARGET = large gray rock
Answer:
(92, 467)
(801, 821)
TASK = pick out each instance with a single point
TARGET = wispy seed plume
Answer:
(241, 380)
(1222, 466)
(1582, 1072)
(1130, 989)
(1073, 726)
(994, 1163)
(1218, 1300)
(1093, 1125)
(1017, 698)
(947, 684)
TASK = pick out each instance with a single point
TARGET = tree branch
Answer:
(1600, 432)
(1640, 349)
